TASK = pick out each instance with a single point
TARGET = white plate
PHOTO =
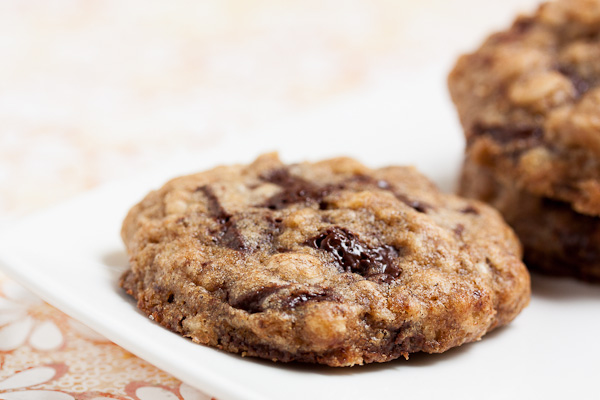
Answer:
(72, 256)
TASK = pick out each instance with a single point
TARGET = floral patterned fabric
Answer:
(45, 355)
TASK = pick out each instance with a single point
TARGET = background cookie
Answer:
(556, 239)
(329, 262)
(528, 100)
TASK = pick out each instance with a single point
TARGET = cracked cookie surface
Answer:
(528, 100)
(328, 262)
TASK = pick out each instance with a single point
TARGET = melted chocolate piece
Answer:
(298, 299)
(470, 210)
(295, 190)
(215, 208)
(232, 238)
(505, 134)
(228, 236)
(419, 206)
(352, 255)
(252, 301)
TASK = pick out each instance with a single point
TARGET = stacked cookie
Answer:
(529, 102)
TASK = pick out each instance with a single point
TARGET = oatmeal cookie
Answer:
(328, 262)
(556, 239)
(529, 101)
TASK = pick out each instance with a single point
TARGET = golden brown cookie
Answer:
(328, 262)
(528, 100)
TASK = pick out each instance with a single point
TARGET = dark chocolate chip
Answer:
(228, 235)
(507, 134)
(470, 210)
(215, 208)
(352, 255)
(300, 298)
(419, 206)
(232, 238)
(400, 341)
(294, 190)
(252, 302)
(297, 190)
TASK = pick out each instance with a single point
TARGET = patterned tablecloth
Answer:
(91, 91)
(46, 355)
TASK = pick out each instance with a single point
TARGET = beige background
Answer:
(95, 90)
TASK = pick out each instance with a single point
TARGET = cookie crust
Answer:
(328, 262)
(528, 100)
(556, 239)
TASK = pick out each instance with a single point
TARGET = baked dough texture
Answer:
(529, 103)
(328, 262)
(556, 239)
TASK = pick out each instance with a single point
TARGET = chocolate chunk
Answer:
(419, 206)
(228, 235)
(470, 210)
(231, 237)
(352, 255)
(215, 208)
(295, 190)
(506, 134)
(298, 299)
(252, 301)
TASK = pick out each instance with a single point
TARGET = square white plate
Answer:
(71, 255)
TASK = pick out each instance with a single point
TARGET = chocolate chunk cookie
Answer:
(556, 239)
(529, 103)
(328, 262)
(528, 100)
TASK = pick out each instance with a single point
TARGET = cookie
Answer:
(328, 262)
(528, 100)
(556, 239)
